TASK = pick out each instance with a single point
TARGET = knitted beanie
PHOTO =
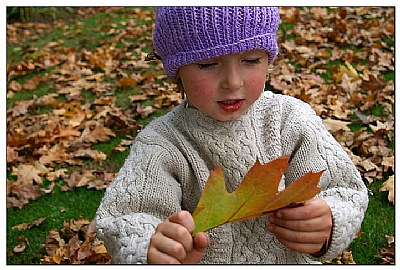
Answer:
(183, 35)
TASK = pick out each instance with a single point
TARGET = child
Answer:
(220, 57)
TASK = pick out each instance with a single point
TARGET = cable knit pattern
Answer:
(170, 162)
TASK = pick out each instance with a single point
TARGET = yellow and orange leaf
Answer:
(256, 195)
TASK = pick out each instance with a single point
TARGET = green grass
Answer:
(56, 208)
(378, 221)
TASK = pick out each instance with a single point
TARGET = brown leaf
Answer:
(388, 162)
(20, 195)
(144, 111)
(12, 155)
(389, 186)
(126, 82)
(28, 225)
(27, 173)
(53, 242)
(83, 247)
(94, 154)
(97, 133)
(74, 245)
(61, 173)
(15, 86)
(56, 154)
(22, 244)
(387, 253)
(33, 83)
(21, 107)
(373, 84)
(142, 97)
(334, 125)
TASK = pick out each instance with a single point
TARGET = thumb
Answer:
(200, 243)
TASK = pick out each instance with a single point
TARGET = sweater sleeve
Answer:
(144, 192)
(312, 148)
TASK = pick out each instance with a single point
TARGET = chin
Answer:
(228, 118)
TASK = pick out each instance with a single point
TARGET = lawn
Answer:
(79, 90)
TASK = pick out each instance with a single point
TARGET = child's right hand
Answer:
(172, 242)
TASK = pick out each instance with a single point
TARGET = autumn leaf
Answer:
(28, 225)
(22, 244)
(75, 243)
(126, 82)
(33, 83)
(389, 186)
(256, 195)
(387, 253)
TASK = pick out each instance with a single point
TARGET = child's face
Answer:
(225, 87)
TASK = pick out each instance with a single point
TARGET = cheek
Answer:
(256, 84)
(199, 92)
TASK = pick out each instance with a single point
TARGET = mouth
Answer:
(231, 105)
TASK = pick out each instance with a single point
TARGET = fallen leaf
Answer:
(126, 82)
(20, 195)
(15, 86)
(388, 162)
(387, 253)
(256, 195)
(28, 225)
(61, 173)
(27, 173)
(94, 154)
(389, 186)
(33, 83)
(144, 111)
(345, 258)
(78, 244)
(334, 125)
(22, 244)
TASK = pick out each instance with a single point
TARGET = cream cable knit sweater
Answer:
(170, 162)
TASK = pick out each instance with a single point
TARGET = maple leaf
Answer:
(256, 195)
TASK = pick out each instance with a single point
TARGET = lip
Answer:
(231, 105)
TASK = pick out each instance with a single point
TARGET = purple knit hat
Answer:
(183, 35)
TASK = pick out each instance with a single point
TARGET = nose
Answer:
(231, 78)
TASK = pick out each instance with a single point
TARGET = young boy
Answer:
(220, 57)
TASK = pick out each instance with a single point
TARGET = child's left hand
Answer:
(303, 229)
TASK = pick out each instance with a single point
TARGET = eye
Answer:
(252, 61)
(205, 65)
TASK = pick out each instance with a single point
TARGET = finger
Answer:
(201, 241)
(308, 225)
(155, 256)
(315, 237)
(183, 218)
(308, 248)
(178, 233)
(311, 209)
(168, 246)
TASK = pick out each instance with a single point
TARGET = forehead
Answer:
(250, 53)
